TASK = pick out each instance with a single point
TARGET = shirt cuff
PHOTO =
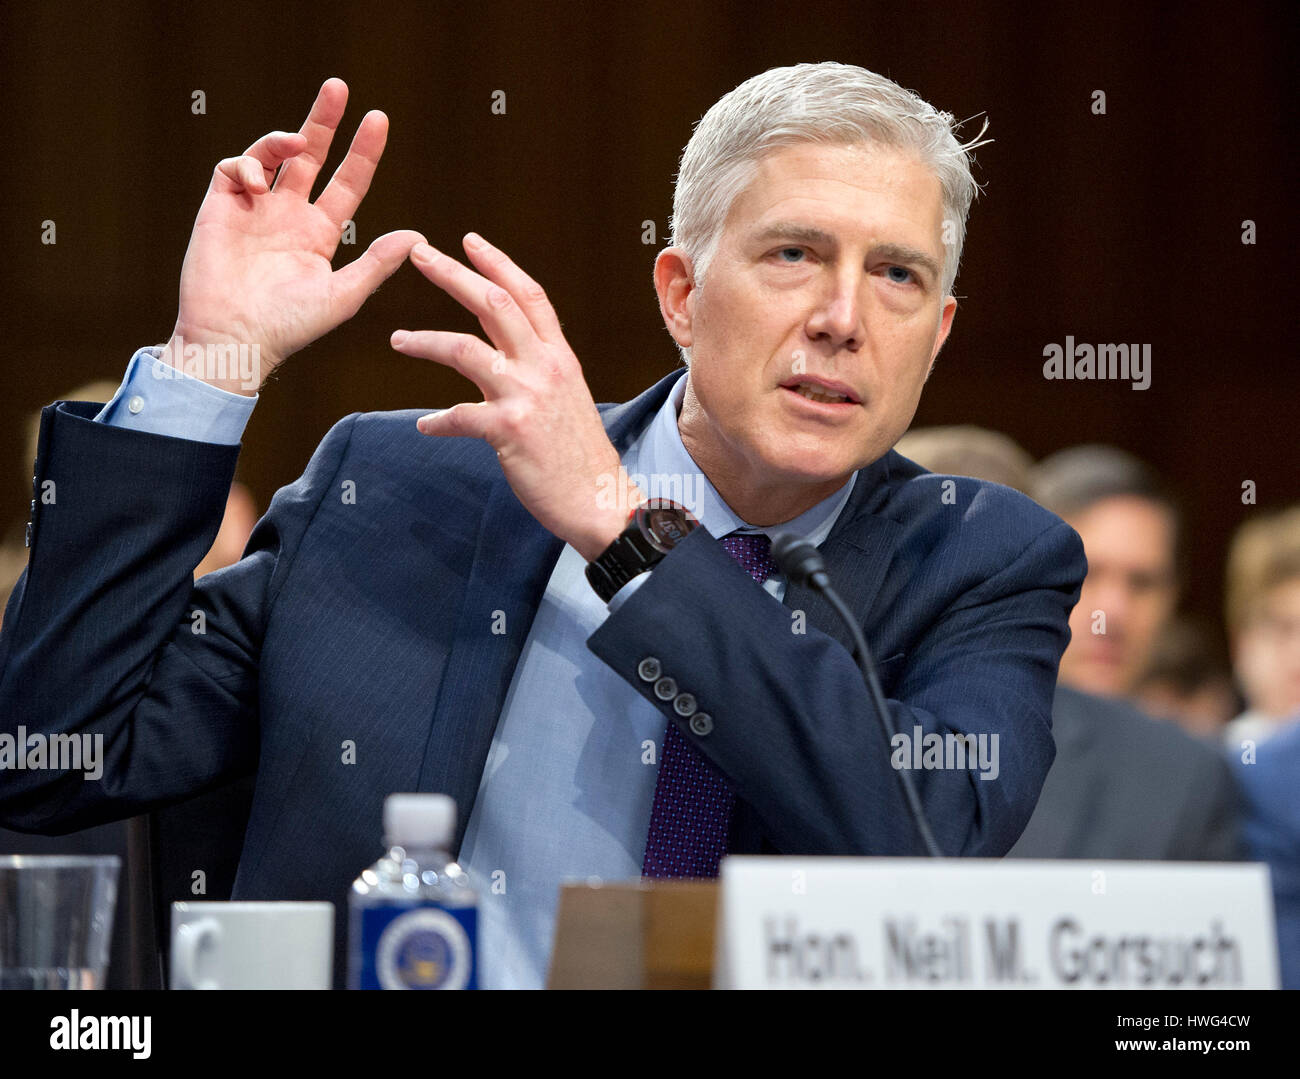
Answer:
(621, 596)
(162, 400)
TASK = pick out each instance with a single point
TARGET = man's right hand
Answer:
(257, 271)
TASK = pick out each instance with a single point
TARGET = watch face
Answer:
(664, 523)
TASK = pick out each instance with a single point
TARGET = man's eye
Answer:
(900, 275)
(1144, 582)
(797, 252)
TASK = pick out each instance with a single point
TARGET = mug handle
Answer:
(190, 937)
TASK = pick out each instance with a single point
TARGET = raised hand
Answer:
(257, 270)
(537, 410)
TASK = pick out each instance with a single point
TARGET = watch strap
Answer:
(629, 555)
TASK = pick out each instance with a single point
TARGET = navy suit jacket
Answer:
(351, 652)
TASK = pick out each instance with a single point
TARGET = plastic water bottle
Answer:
(413, 916)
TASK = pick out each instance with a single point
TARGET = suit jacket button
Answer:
(684, 705)
(702, 723)
(648, 669)
(665, 689)
(27, 539)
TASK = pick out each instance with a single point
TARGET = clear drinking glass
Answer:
(56, 920)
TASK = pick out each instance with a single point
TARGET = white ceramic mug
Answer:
(278, 945)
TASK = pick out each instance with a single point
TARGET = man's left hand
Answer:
(537, 411)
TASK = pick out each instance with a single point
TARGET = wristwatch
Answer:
(655, 528)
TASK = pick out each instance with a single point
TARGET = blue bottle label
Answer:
(419, 947)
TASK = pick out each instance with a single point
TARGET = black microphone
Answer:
(800, 561)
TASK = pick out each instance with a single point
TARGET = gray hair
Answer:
(827, 103)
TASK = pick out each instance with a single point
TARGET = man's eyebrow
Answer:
(901, 253)
(787, 230)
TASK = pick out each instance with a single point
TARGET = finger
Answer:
(351, 180)
(498, 267)
(501, 318)
(472, 357)
(299, 174)
(350, 285)
(236, 174)
(466, 420)
(275, 148)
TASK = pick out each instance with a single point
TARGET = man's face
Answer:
(1128, 594)
(827, 277)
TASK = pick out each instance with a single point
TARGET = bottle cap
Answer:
(419, 820)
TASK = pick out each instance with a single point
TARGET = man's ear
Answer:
(675, 285)
(945, 326)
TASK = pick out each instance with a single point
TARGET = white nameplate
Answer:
(953, 923)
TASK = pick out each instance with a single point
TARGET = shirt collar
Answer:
(661, 466)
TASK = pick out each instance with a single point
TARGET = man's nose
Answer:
(1117, 605)
(837, 317)
(1114, 599)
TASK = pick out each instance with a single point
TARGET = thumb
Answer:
(352, 284)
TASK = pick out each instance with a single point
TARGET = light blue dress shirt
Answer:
(569, 780)
(158, 398)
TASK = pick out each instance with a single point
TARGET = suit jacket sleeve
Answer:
(107, 634)
(794, 731)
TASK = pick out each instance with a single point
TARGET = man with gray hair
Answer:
(608, 685)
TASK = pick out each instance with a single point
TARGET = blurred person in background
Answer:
(1262, 609)
(1123, 785)
(1129, 526)
(1186, 681)
(1269, 776)
(236, 526)
(1263, 616)
(967, 450)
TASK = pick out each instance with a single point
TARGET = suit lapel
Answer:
(858, 553)
(513, 561)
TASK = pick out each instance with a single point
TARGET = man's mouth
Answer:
(825, 393)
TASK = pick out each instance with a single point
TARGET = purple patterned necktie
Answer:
(691, 815)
